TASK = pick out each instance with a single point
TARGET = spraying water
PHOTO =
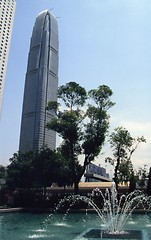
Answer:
(115, 209)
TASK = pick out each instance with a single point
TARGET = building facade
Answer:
(7, 13)
(41, 85)
(96, 173)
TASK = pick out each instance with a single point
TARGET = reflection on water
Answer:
(23, 226)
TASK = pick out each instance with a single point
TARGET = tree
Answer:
(33, 169)
(132, 181)
(125, 171)
(141, 175)
(2, 176)
(149, 183)
(2, 172)
(46, 168)
(66, 172)
(123, 145)
(20, 171)
(82, 125)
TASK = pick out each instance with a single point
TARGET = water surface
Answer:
(24, 226)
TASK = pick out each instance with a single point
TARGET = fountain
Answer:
(114, 213)
(28, 226)
(112, 219)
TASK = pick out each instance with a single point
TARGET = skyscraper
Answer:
(7, 13)
(41, 85)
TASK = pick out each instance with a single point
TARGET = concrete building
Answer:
(7, 13)
(96, 173)
(41, 85)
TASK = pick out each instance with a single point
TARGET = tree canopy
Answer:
(82, 121)
(33, 169)
(123, 146)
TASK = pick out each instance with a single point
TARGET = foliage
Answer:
(123, 145)
(141, 176)
(73, 95)
(2, 172)
(2, 177)
(66, 174)
(132, 180)
(149, 183)
(45, 168)
(33, 169)
(82, 123)
(20, 172)
(125, 171)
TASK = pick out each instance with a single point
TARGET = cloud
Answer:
(142, 155)
(138, 128)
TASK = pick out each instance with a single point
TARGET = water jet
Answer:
(115, 212)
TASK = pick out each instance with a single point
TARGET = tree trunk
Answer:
(117, 167)
(76, 187)
(149, 183)
(77, 178)
(115, 173)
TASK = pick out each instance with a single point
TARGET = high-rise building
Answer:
(41, 85)
(7, 13)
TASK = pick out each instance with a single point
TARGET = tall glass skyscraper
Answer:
(7, 13)
(41, 85)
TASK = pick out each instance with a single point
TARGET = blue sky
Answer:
(101, 42)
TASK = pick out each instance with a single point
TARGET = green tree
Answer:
(46, 168)
(33, 169)
(66, 173)
(123, 145)
(132, 180)
(82, 123)
(125, 171)
(2, 176)
(20, 171)
(141, 176)
(2, 172)
(149, 183)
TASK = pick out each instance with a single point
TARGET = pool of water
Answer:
(24, 226)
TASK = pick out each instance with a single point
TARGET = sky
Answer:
(100, 42)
